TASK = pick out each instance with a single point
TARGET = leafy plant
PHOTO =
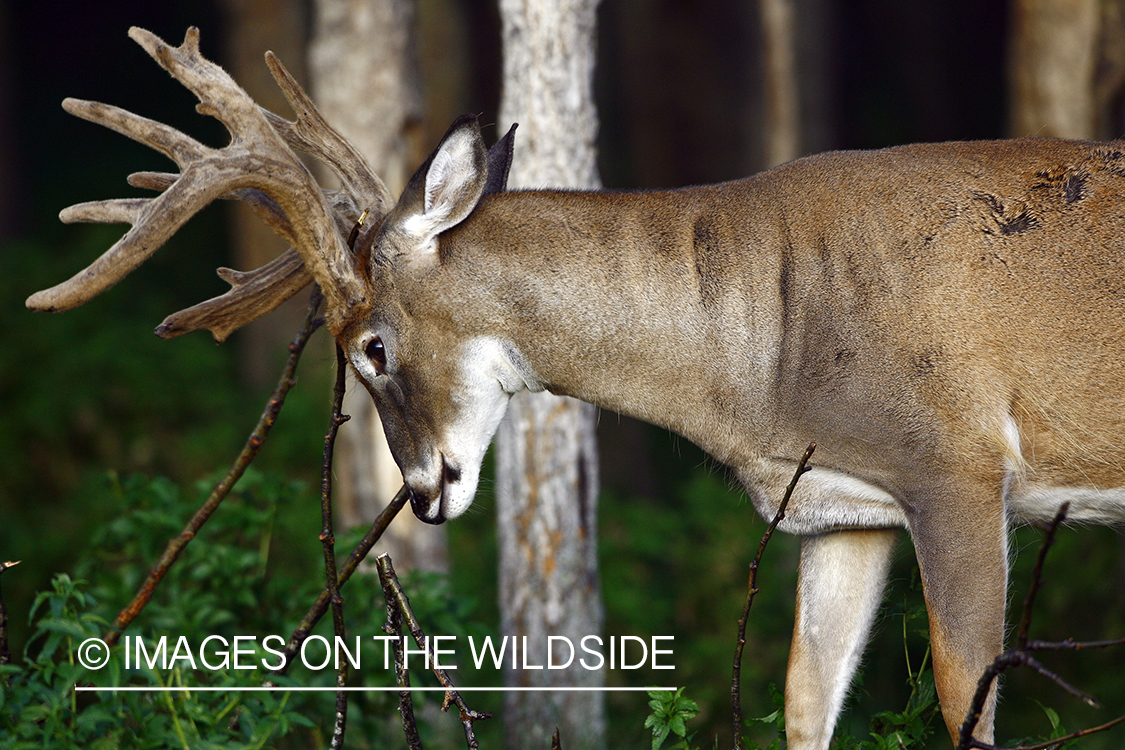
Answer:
(775, 720)
(232, 579)
(670, 712)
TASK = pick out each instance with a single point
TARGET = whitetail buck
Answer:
(944, 321)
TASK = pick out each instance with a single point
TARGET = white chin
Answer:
(456, 497)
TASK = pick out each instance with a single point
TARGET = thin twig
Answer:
(328, 541)
(253, 444)
(396, 599)
(1057, 741)
(751, 590)
(393, 628)
(1037, 575)
(1072, 645)
(320, 606)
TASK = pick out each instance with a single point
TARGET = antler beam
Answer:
(258, 166)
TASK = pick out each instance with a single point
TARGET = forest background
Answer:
(95, 411)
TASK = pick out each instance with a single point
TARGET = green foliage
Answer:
(41, 707)
(231, 580)
(905, 730)
(909, 728)
(678, 566)
(670, 711)
(914, 724)
(774, 721)
(1057, 730)
(93, 388)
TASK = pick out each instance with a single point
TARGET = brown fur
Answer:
(943, 320)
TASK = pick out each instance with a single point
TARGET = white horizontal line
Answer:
(351, 689)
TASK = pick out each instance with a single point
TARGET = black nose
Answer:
(421, 505)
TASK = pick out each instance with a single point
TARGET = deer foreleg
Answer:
(962, 553)
(840, 586)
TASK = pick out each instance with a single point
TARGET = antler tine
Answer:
(154, 221)
(252, 294)
(176, 145)
(265, 207)
(311, 133)
(257, 166)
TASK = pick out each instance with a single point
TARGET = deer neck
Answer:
(654, 305)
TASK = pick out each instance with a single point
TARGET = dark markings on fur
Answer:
(1013, 217)
(923, 363)
(1074, 189)
(1069, 181)
(705, 248)
(1112, 158)
(786, 280)
(1021, 222)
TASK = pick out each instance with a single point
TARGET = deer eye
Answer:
(377, 353)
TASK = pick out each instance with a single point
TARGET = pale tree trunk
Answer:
(364, 71)
(546, 460)
(252, 27)
(782, 135)
(1066, 66)
(797, 83)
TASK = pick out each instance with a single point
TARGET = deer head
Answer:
(440, 382)
(439, 444)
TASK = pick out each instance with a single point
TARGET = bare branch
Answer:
(223, 488)
(1055, 742)
(320, 606)
(1037, 574)
(398, 606)
(393, 627)
(328, 542)
(752, 590)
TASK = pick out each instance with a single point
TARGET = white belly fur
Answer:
(1031, 502)
(827, 500)
(1028, 501)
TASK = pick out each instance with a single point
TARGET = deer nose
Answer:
(424, 507)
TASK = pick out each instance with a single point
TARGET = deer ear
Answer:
(448, 186)
(500, 162)
(440, 195)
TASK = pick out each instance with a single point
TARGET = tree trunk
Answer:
(252, 27)
(1066, 68)
(8, 160)
(546, 460)
(364, 70)
(782, 93)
